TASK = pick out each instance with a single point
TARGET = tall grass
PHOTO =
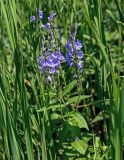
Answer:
(65, 120)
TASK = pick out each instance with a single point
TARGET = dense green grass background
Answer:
(42, 122)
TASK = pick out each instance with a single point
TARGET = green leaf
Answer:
(80, 146)
(99, 117)
(55, 116)
(69, 87)
(122, 106)
(122, 114)
(77, 99)
(80, 120)
(73, 128)
(53, 107)
(14, 144)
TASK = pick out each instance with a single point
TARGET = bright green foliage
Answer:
(74, 118)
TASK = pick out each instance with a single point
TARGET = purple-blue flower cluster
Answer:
(40, 15)
(50, 57)
(33, 18)
(74, 56)
(50, 63)
(50, 19)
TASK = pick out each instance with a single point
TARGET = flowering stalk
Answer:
(74, 56)
(74, 59)
(50, 56)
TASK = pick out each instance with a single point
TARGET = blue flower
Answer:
(48, 25)
(52, 15)
(80, 54)
(59, 55)
(78, 45)
(79, 64)
(50, 63)
(70, 42)
(32, 18)
(52, 70)
(75, 55)
(40, 14)
(69, 59)
(68, 45)
(49, 79)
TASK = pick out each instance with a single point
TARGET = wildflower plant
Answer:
(51, 64)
